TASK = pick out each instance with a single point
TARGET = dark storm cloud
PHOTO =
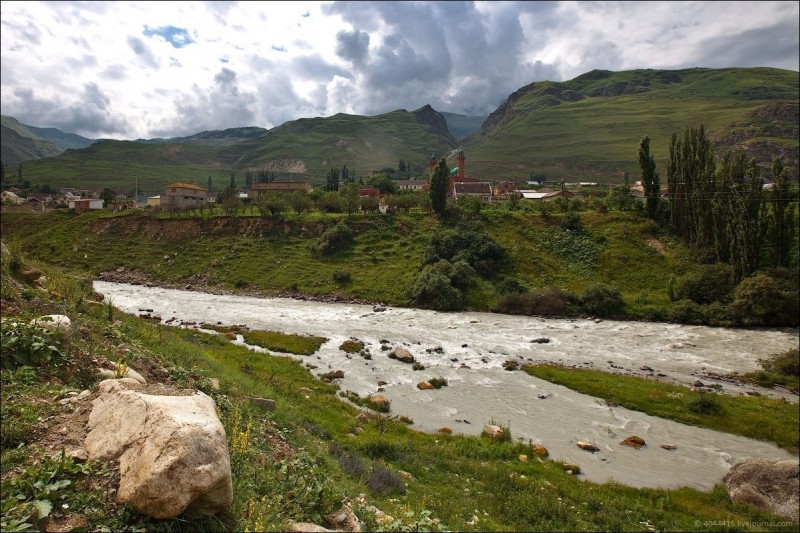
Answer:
(89, 117)
(352, 46)
(749, 48)
(141, 49)
(448, 54)
(220, 106)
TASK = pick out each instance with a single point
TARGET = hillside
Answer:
(20, 144)
(298, 150)
(462, 126)
(591, 126)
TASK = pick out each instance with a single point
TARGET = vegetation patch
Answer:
(755, 417)
(284, 342)
(352, 346)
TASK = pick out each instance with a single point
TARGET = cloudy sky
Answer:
(129, 70)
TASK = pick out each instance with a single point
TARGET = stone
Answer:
(306, 527)
(669, 446)
(30, 274)
(586, 445)
(60, 323)
(541, 340)
(523, 458)
(128, 372)
(264, 402)
(492, 430)
(540, 450)
(698, 383)
(378, 309)
(344, 520)
(424, 385)
(771, 486)
(446, 430)
(214, 383)
(634, 442)
(402, 355)
(380, 399)
(172, 450)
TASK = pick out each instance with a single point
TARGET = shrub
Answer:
(571, 221)
(764, 300)
(24, 344)
(342, 276)
(510, 286)
(435, 291)
(468, 242)
(383, 481)
(337, 238)
(706, 284)
(786, 363)
(546, 302)
(602, 300)
(686, 312)
(438, 383)
(706, 404)
(352, 346)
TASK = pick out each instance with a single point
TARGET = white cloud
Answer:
(146, 69)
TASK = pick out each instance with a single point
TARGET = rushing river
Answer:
(474, 347)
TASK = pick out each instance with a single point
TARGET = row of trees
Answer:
(722, 206)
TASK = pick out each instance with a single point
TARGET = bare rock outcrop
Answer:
(771, 486)
(172, 450)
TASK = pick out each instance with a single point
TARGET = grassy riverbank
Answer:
(755, 417)
(299, 461)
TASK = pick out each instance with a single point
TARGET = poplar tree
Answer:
(438, 189)
(781, 221)
(650, 178)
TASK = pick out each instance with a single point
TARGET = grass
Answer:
(755, 417)
(284, 342)
(419, 481)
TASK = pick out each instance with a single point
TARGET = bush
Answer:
(785, 363)
(706, 284)
(510, 286)
(706, 404)
(435, 291)
(468, 242)
(571, 221)
(686, 312)
(546, 302)
(342, 276)
(438, 383)
(333, 240)
(764, 300)
(602, 300)
(24, 344)
(383, 481)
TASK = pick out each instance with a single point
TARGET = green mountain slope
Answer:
(301, 150)
(462, 125)
(591, 126)
(63, 140)
(20, 144)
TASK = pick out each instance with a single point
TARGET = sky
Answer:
(130, 70)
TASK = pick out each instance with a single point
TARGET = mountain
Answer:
(303, 149)
(63, 140)
(590, 127)
(462, 125)
(20, 144)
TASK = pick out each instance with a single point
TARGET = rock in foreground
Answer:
(172, 450)
(771, 486)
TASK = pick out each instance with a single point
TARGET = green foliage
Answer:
(511, 286)
(438, 186)
(283, 342)
(542, 302)
(352, 346)
(435, 291)
(438, 383)
(26, 343)
(786, 363)
(762, 299)
(335, 239)
(650, 180)
(342, 276)
(468, 242)
(706, 284)
(571, 221)
(602, 300)
(706, 404)
(578, 250)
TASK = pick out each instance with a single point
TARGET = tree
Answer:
(233, 180)
(272, 203)
(401, 166)
(300, 201)
(650, 179)
(209, 184)
(349, 198)
(383, 183)
(438, 188)
(107, 195)
(332, 180)
(781, 222)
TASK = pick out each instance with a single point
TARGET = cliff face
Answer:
(428, 116)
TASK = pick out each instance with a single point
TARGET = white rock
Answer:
(53, 322)
(172, 450)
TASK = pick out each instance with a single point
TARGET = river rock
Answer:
(669, 447)
(492, 430)
(126, 372)
(172, 450)
(586, 445)
(380, 400)
(540, 450)
(424, 385)
(541, 340)
(634, 442)
(402, 355)
(771, 486)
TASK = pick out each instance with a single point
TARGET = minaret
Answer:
(461, 163)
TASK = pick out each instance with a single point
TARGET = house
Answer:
(258, 189)
(11, 198)
(183, 196)
(122, 204)
(154, 201)
(546, 194)
(482, 190)
(85, 204)
(412, 184)
(505, 187)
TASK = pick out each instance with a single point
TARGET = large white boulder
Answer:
(771, 486)
(172, 450)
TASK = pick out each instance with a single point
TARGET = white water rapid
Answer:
(545, 413)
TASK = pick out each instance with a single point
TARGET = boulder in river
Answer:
(586, 445)
(402, 355)
(634, 442)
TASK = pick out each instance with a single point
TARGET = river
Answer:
(469, 349)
